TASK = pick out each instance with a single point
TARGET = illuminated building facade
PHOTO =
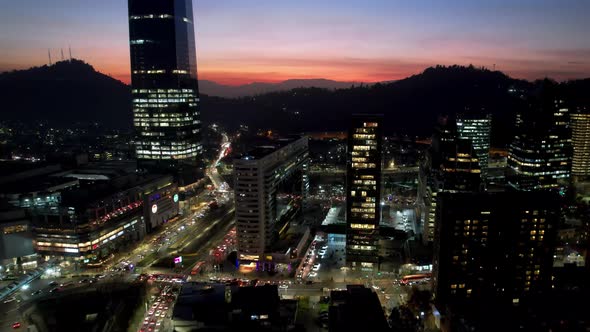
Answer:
(540, 154)
(477, 129)
(363, 191)
(88, 225)
(85, 214)
(164, 86)
(258, 174)
(580, 122)
(493, 249)
(450, 165)
(460, 167)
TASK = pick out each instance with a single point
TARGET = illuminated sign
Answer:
(154, 208)
(178, 260)
(175, 198)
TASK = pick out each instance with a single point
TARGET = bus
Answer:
(197, 268)
(415, 278)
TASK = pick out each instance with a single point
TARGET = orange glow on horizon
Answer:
(240, 76)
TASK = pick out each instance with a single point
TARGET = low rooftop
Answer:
(262, 151)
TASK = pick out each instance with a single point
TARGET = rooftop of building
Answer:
(207, 303)
(12, 167)
(201, 301)
(262, 151)
(356, 309)
(102, 170)
(336, 215)
(290, 239)
(33, 184)
(85, 184)
(261, 299)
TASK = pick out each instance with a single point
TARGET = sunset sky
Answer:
(245, 41)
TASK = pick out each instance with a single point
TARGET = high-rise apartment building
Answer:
(363, 191)
(493, 250)
(257, 175)
(540, 154)
(476, 128)
(580, 123)
(164, 86)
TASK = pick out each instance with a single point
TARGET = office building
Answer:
(493, 249)
(363, 191)
(540, 154)
(580, 123)
(449, 165)
(460, 169)
(164, 87)
(477, 129)
(85, 214)
(258, 176)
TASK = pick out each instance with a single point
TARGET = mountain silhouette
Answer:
(229, 91)
(411, 105)
(72, 92)
(65, 93)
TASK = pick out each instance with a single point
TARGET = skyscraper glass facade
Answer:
(477, 129)
(164, 83)
(540, 153)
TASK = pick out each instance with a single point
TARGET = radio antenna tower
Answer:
(49, 55)
(62, 54)
(70, 50)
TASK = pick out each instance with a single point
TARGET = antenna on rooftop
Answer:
(62, 54)
(70, 50)
(49, 55)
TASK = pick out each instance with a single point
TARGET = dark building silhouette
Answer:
(164, 86)
(449, 165)
(493, 251)
(356, 309)
(460, 167)
(363, 191)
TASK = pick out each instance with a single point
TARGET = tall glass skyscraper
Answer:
(477, 129)
(363, 191)
(164, 86)
(540, 154)
(580, 122)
